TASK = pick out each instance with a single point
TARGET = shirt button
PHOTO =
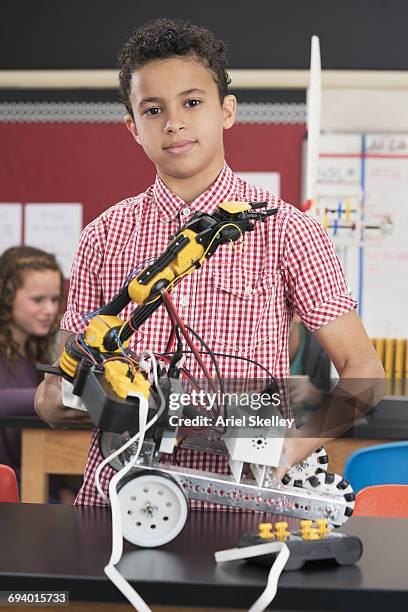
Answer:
(185, 211)
(248, 290)
(183, 301)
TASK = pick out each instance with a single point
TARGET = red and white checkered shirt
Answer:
(240, 302)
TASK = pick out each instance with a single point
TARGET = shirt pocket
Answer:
(244, 312)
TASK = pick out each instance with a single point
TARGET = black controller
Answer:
(342, 548)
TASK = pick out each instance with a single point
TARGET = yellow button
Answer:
(281, 531)
(306, 524)
(322, 527)
(265, 531)
(280, 525)
(311, 534)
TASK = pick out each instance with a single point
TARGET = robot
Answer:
(128, 396)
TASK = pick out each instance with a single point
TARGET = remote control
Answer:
(312, 542)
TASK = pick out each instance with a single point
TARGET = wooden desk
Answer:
(50, 451)
(54, 547)
(47, 451)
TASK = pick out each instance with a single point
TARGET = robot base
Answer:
(150, 521)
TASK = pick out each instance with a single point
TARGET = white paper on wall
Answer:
(11, 218)
(386, 255)
(379, 269)
(55, 228)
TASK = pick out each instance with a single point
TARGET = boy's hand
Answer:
(49, 407)
(297, 449)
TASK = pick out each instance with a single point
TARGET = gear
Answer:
(334, 484)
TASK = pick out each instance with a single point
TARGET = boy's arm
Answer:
(318, 293)
(48, 400)
(361, 379)
(350, 349)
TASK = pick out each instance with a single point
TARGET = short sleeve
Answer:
(315, 284)
(85, 291)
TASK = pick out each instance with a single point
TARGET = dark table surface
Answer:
(47, 547)
(23, 421)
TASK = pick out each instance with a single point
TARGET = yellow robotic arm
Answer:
(104, 344)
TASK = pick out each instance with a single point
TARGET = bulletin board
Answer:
(63, 166)
(99, 164)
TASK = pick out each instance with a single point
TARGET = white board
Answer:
(378, 163)
(386, 256)
(55, 228)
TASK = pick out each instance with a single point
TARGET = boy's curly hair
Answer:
(166, 38)
(14, 262)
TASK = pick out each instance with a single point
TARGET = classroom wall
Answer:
(355, 34)
(93, 160)
(365, 110)
(99, 164)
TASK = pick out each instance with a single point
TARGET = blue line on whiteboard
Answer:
(361, 249)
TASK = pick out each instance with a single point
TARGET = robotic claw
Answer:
(126, 392)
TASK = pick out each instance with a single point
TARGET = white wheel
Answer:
(153, 508)
(297, 475)
(334, 484)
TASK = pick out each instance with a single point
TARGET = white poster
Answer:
(11, 217)
(55, 228)
(386, 253)
(378, 268)
(269, 181)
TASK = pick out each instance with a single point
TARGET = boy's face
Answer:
(178, 117)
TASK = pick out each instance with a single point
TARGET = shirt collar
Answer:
(169, 204)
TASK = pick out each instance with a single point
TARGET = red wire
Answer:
(185, 372)
(172, 309)
(170, 341)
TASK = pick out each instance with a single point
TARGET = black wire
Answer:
(178, 335)
(220, 380)
(172, 313)
(216, 366)
(212, 355)
(177, 450)
(233, 357)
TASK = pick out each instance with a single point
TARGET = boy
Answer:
(174, 85)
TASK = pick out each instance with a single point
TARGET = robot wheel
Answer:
(153, 508)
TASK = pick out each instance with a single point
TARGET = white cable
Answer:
(108, 459)
(154, 364)
(124, 587)
(269, 593)
(117, 537)
(135, 437)
(257, 550)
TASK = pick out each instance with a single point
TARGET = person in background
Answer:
(31, 288)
